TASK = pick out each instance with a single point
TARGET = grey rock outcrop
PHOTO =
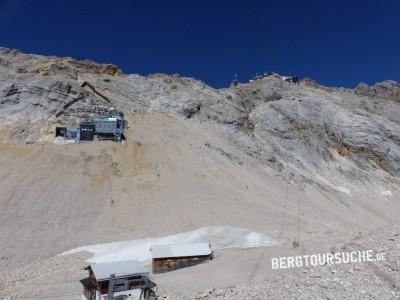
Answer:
(388, 89)
(308, 128)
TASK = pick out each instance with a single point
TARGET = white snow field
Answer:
(220, 237)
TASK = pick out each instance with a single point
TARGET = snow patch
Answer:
(220, 237)
(343, 190)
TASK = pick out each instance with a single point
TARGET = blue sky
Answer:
(338, 43)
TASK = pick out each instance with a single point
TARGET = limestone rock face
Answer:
(301, 125)
(20, 63)
(307, 128)
(388, 89)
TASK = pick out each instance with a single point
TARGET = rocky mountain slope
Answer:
(299, 162)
